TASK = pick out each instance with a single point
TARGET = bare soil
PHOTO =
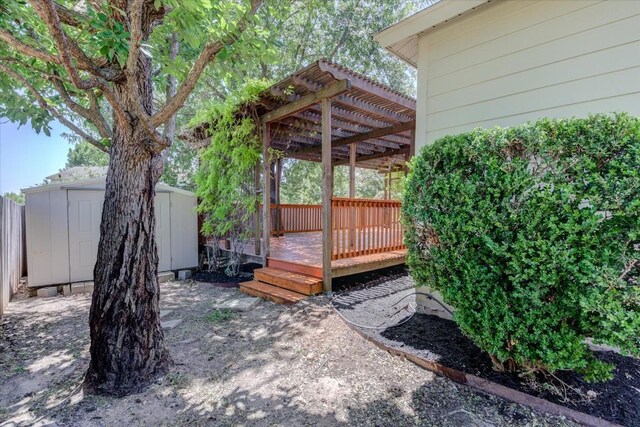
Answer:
(271, 365)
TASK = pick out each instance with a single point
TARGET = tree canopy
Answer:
(59, 60)
(85, 154)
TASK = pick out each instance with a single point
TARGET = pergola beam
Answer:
(312, 116)
(306, 101)
(313, 129)
(370, 109)
(359, 119)
(368, 86)
(374, 156)
(376, 133)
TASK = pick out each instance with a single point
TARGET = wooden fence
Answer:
(365, 226)
(12, 249)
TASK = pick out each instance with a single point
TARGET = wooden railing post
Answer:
(352, 195)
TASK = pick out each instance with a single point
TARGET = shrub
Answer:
(533, 234)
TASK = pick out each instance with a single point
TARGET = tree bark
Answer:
(127, 341)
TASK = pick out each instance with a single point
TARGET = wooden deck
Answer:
(302, 253)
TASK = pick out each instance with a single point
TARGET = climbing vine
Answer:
(225, 177)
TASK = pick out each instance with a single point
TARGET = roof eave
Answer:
(428, 18)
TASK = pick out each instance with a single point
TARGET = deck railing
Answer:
(365, 226)
(289, 218)
(360, 226)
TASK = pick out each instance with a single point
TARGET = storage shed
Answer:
(63, 230)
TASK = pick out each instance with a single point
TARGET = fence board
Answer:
(12, 249)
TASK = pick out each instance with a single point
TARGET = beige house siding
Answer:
(515, 61)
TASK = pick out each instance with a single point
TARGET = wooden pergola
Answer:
(327, 113)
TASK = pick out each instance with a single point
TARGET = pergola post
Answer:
(278, 211)
(411, 152)
(256, 215)
(327, 194)
(352, 171)
(266, 192)
(352, 194)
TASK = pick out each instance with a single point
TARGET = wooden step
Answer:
(295, 267)
(296, 282)
(270, 292)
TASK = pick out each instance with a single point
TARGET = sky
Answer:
(27, 157)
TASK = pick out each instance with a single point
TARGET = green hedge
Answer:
(533, 234)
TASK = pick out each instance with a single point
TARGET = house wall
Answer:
(515, 61)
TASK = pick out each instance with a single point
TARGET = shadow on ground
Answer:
(270, 365)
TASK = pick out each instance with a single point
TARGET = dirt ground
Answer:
(272, 365)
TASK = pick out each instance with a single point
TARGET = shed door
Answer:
(85, 213)
(163, 231)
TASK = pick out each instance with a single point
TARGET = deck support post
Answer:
(256, 215)
(266, 193)
(327, 194)
(352, 194)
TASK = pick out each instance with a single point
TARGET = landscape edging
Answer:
(490, 387)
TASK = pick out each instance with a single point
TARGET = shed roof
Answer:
(95, 184)
(378, 119)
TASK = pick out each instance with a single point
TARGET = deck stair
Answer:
(280, 286)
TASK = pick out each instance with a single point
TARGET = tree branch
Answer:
(90, 114)
(94, 105)
(25, 49)
(54, 112)
(137, 34)
(135, 31)
(43, 73)
(207, 55)
(69, 16)
(169, 130)
(46, 10)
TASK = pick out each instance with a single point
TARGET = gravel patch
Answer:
(378, 306)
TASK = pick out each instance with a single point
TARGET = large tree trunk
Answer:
(127, 349)
(127, 342)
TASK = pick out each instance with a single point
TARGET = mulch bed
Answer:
(220, 279)
(439, 340)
